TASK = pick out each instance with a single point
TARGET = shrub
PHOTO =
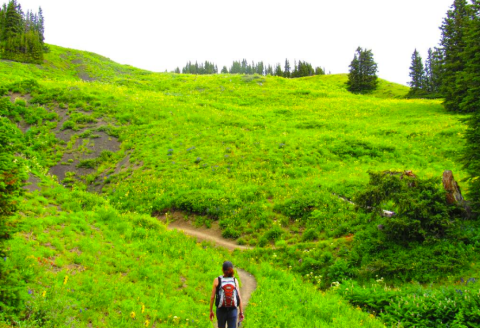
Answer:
(87, 164)
(422, 213)
(416, 306)
(68, 125)
(309, 235)
(274, 233)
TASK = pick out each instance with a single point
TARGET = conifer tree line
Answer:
(426, 79)
(444, 74)
(207, 68)
(300, 69)
(21, 34)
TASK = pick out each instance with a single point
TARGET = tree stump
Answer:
(454, 195)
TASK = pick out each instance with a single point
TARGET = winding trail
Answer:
(248, 282)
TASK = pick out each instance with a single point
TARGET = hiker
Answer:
(226, 294)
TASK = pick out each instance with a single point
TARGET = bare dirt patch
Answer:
(32, 183)
(15, 95)
(83, 74)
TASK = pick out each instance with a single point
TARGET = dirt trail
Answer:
(248, 282)
(203, 234)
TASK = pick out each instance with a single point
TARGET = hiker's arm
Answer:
(241, 301)
(212, 298)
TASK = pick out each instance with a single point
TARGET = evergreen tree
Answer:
(319, 71)
(471, 103)
(177, 70)
(417, 75)
(21, 35)
(3, 13)
(453, 45)
(363, 72)
(270, 70)
(224, 70)
(286, 71)
(236, 68)
(278, 70)
(260, 68)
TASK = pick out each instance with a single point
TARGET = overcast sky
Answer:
(160, 35)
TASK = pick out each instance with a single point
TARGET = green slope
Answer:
(262, 157)
(385, 88)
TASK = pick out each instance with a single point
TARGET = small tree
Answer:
(363, 72)
(417, 75)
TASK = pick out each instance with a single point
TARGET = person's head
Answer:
(228, 269)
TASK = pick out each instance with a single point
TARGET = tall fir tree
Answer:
(278, 70)
(471, 103)
(453, 45)
(286, 70)
(362, 77)
(417, 76)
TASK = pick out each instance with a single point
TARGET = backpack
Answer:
(227, 295)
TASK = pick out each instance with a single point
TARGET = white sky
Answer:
(159, 35)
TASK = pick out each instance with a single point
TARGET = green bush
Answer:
(68, 125)
(422, 212)
(275, 233)
(87, 163)
(416, 306)
(309, 235)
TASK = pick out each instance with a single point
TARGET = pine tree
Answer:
(363, 72)
(417, 75)
(286, 70)
(453, 45)
(3, 13)
(278, 70)
(471, 103)
(41, 26)
(319, 71)
(224, 70)
(236, 68)
(260, 68)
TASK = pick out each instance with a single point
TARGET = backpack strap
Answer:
(217, 296)
(237, 288)
(219, 283)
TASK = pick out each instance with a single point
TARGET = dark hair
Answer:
(228, 269)
(228, 272)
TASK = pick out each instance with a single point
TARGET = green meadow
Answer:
(110, 149)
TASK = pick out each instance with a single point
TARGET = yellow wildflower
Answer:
(44, 293)
(65, 280)
(143, 308)
(147, 323)
(132, 315)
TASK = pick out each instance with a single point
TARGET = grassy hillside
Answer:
(264, 158)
